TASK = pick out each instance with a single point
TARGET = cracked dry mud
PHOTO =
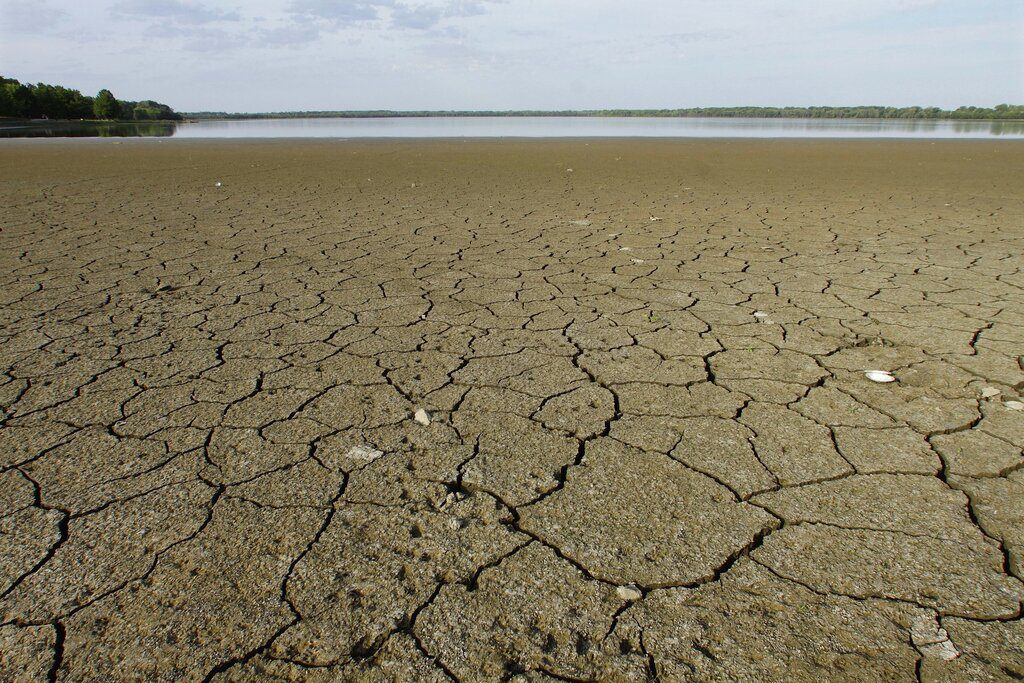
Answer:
(210, 468)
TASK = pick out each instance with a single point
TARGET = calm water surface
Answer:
(531, 127)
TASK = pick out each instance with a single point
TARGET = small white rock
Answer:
(944, 650)
(879, 376)
(625, 248)
(637, 260)
(1014, 405)
(422, 416)
(568, 170)
(630, 593)
(655, 218)
(217, 184)
(760, 314)
(581, 222)
(450, 499)
(931, 640)
(989, 392)
(364, 453)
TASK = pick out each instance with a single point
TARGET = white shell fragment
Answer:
(364, 453)
(989, 392)
(760, 314)
(625, 248)
(879, 376)
(217, 184)
(630, 593)
(422, 416)
(1014, 405)
(581, 222)
(655, 218)
(637, 260)
(931, 640)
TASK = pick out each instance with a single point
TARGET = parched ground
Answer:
(652, 451)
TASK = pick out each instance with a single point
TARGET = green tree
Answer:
(106, 106)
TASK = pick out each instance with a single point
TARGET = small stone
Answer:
(449, 499)
(879, 376)
(931, 640)
(655, 218)
(364, 453)
(989, 392)
(422, 416)
(637, 260)
(630, 593)
(581, 222)
(625, 248)
(1014, 405)
(217, 184)
(760, 314)
(944, 650)
(568, 170)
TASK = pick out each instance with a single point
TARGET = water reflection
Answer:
(84, 129)
(527, 126)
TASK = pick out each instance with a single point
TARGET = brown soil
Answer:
(652, 450)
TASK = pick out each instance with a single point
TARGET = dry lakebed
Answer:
(525, 410)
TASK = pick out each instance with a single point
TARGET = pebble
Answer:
(449, 500)
(630, 593)
(1014, 405)
(760, 314)
(364, 453)
(423, 417)
(637, 260)
(931, 640)
(989, 392)
(217, 184)
(655, 218)
(582, 222)
(879, 376)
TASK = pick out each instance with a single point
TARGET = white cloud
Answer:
(40, 16)
(323, 54)
(177, 11)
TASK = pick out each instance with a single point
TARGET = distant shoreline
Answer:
(193, 117)
(998, 113)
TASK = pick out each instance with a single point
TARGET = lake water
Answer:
(531, 127)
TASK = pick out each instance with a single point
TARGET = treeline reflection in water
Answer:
(76, 129)
(485, 126)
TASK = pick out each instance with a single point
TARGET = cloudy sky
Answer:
(274, 55)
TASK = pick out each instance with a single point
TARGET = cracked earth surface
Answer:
(210, 468)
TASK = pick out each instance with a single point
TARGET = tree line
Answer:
(41, 100)
(999, 112)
